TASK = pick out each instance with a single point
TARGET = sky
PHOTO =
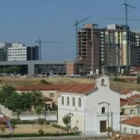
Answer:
(25, 21)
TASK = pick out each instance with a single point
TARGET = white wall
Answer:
(104, 94)
(90, 111)
(17, 53)
(78, 112)
(129, 128)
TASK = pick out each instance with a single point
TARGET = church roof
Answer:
(69, 88)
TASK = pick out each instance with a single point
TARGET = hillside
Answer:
(18, 81)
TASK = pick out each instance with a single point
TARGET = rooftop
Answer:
(69, 88)
(135, 121)
(123, 102)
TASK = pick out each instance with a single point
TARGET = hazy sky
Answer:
(26, 20)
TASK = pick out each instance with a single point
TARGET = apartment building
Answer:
(17, 52)
(135, 48)
(3, 51)
(88, 49)
(108, 49)
(113, 50)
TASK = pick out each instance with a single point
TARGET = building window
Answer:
(131, 131)
(79, 102)
(73, 101)
(62, 100)
(68, 101)
(132, 112)
(51, 94)
(124, 130)
(103, 109)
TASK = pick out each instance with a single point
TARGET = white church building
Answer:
(93, 109)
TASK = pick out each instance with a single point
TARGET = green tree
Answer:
(19, 111)
(37, 98)
(14, 122)
(138, 80)
(41, 132)
(38, 110)
(41, 121)
(11, 69)
(67, 121)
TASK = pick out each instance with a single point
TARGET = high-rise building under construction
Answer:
(107, 49)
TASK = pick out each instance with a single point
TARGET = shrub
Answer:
(44, 82)
(109, 129)
(126, 72)
(41, 121)
(138, 80)
(75, 129)
(119, 79)
(14, 122)
(26, 122)
(36, 135)
(40, 132)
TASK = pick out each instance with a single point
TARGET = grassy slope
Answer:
(14, 81)
(118, 86)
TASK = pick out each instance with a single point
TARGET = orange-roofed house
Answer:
(51, 93)
(131, 126)
(125, 93)
(92, 108)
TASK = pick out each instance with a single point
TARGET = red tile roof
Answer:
(130, 79)
(70, 88)
(135, 121)
(123, 102)
(47, 99)
(136, 96)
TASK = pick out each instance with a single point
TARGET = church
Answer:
(93, 109)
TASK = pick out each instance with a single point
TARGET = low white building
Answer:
(131, 126)
(94, 109)
(18, 52)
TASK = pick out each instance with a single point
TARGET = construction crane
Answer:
(39, 41)
(126, 5)
(76, 27)
(126, 28)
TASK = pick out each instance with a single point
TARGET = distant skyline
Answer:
(26, 20)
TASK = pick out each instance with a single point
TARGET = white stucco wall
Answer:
(89, 114)
(129, 129)
(104, 96)
(78, 112)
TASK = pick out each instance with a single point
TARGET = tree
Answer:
(138, 80)
(38, 110)
(14, 122)
(41, 121)
(19, 111)
(37, 98)
(67, 120)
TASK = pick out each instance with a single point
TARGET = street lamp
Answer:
(107, 113)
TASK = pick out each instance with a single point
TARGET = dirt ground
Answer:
(29, 128)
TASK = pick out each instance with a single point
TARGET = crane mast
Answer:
(39, 41)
